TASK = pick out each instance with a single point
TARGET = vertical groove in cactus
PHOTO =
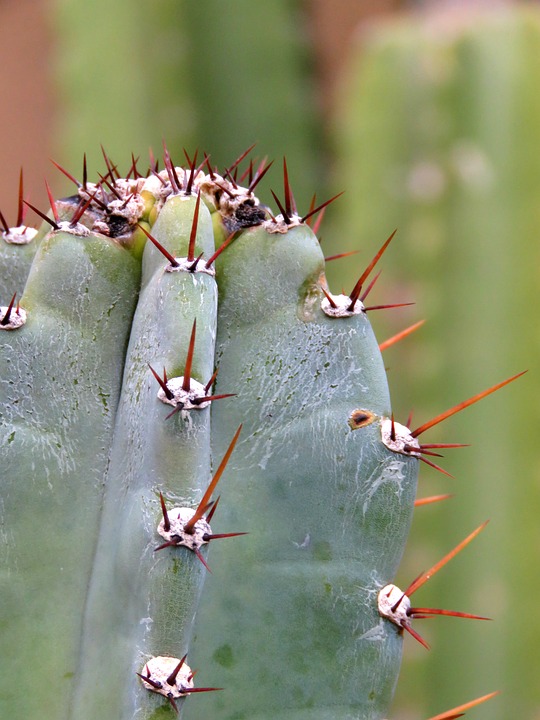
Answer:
(318, 477)
(438, 137)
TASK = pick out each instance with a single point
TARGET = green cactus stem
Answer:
(118, 423)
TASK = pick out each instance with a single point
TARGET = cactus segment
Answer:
(155, 594)
(299, 596)
(61, 375)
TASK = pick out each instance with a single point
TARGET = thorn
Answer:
(199, 555)
(172, 677)
(216, 536)
(281, 208)
(370, 287)
(393, 429)
(310, 209)
(409, 419)
(417, 612)
(225, 189)
(173, 703)
(355, 294)
(42, 215)
(341, 255)
(460, 709)
(444, 445)
(330, 299)
(400, 335)
(166, 521)
(318, 222)
(111, 167)
(171, 171)
(232, 178)
(463, 405)
(258, 177)
(169, 543)
(210, 398)
(154, 683)
(179, 407)
(212, 509)
(415, 635)
(4, 223)
(85, 173)
(193, 234)
(320, 207)
(436, 467)
(419, 502)
(203, 689)
(186, 385)
(20, 203)
(66, 173)
(162, 383)
(387, 307)
(172, 260)
(188, 527)
(7, 316)
(82, 207)
(290, 204)
(52, 202)
(192, 172)
(211, 381)
(110, 185)
(425, 576)
(220, 249)
(239, 159)
(207, 163)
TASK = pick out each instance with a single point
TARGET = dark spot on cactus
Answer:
(248, 214)
(224, 656)
(360, 418)
(11, 437)
(118, 226)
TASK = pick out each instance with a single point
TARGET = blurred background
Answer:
(428, 115)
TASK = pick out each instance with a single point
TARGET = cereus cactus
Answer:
(140, 367)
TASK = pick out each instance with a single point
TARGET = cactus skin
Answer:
(61, 376)
(151, 454)
(328, 507)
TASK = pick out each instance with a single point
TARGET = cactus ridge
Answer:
(318, 474)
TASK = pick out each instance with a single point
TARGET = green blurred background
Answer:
(428, 115)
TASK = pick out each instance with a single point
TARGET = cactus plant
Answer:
(115, 433)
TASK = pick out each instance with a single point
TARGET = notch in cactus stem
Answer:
(395, 604)
(460, 710)
(10, 318)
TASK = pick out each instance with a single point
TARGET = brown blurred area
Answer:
(26, 102)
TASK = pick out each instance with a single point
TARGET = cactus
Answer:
(140, 368)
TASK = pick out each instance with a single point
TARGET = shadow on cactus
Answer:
(177, 287)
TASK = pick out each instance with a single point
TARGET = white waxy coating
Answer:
(20, 235)
(388, 598)
(342, 303)
(158, 669)
(402, 438)
(178, 517)
(16, 320)
(77, 229)
(184, 397)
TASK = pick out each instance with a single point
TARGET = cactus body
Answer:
(290, 623)
(61, 379)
